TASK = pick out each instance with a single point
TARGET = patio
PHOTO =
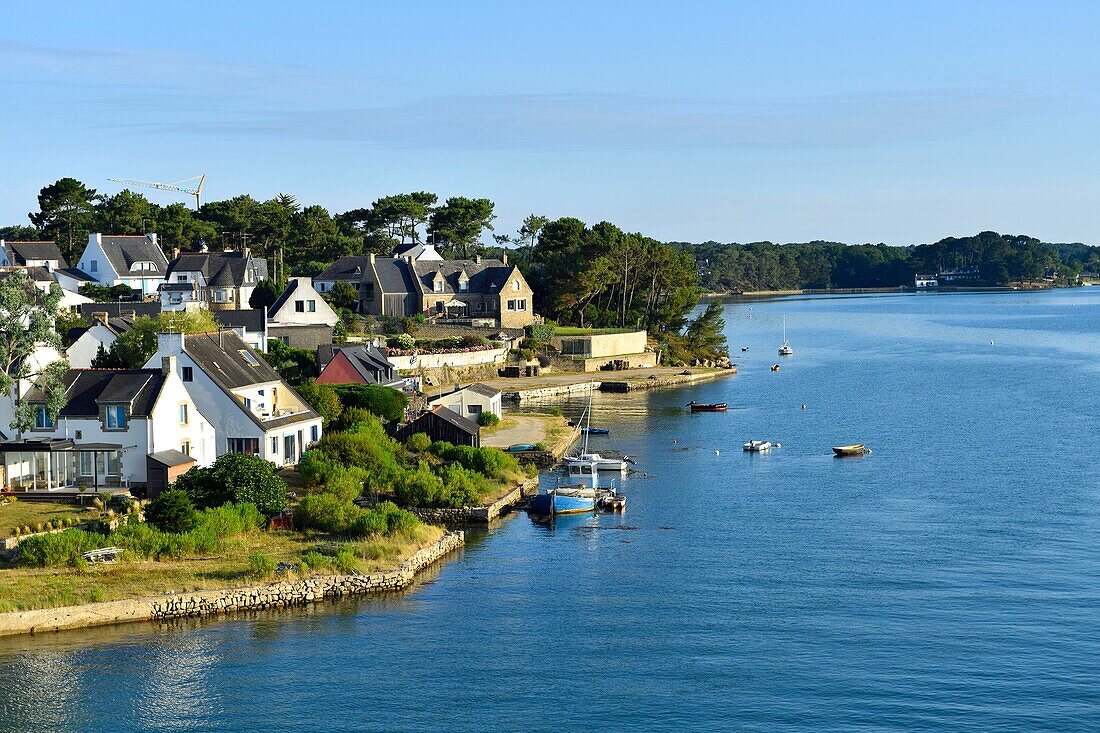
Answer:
(59, 467)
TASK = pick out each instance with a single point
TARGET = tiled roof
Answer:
(253, 319)
(114, 310)
(124, 250)
(485, 277)
(21, 252)
(224, 269)
(87, 389)
(369, 361)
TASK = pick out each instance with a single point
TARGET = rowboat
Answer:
(707, 406)
(521, 447)
(855, 449)
(566, 500)
(596, 431)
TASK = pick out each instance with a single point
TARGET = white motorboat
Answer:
(758, 446)
(595, 459)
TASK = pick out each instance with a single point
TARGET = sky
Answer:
(735, 121)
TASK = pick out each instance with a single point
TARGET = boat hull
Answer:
(843, 451)
(556, 504)
(717, 407)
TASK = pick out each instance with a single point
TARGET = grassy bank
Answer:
(16, 514)
(25, 588)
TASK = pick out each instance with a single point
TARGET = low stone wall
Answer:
(457, 359)
(541, 393)
(206, 603)
(674, 380)
(477, 514)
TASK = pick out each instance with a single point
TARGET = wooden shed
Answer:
(440, 423)
(164, 467)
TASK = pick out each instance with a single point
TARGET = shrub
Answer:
(324, 513)
(419, 487)
(345, 483)
(261, 566)
(56, 550)
(315, 466)
(418, 442)
(487, 419)
(539, 331)
(369, 522)
(386, 402)
(405, 340)
(172, 511)
(345, 562)
(323, 399)
(463, 487)
(237, 478)
(352, 418)
(314, 560)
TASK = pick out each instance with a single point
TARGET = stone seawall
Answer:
(208, 603)
(477, 514)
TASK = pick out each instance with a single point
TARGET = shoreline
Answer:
(753, 294)
(216, 602)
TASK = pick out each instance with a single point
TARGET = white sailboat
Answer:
(785, 349)
(581, 464)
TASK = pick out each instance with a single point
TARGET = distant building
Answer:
(962, 274)
(103, 332)
(357, 364)
(924, 281)
(134, 261)
(250, 325)
(32, 254)
(300, 317)
(470, 401)
(218, 280)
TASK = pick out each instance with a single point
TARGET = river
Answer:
(950, 580)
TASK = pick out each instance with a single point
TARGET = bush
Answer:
(57, 550)
(346, 562)
(539, 331)
(261, 566)
(345, 483)
(323, 399)
(406, 341)
(236, 478)
(462, 487)
(314, 560)
(386, 402)
(418, 442)
(325, 513)
(172, 511)
(419, 487)
(487, 419)
(369, 522)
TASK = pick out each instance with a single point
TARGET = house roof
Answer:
(367, 360)
(21, 252)
(416, 250)
(222, 356)
(253, 319)
(125, 308)
(284, 296)
(346, 268)
(481, 389)
(117, 325)
(122, 251)
(224, 269)
(87, 389)
(394, 275)
(485, 276)
(171, 458)
(464, 424)
(76, 274)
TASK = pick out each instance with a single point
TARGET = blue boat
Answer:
(596, 431)
(565, 500)
(521, 447)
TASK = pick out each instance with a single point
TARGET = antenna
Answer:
(174, 186)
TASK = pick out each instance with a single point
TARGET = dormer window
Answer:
(42, 419)
(115, 417)
(437, 286)
(463, 285)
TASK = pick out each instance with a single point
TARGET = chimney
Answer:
(100, 316)
(170, 343)
(175, 253)
(504, 257)
(167, 365)
(477, 259)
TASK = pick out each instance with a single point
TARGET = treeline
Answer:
(307, 237)
(997, 259)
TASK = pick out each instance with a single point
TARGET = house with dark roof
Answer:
(355, 364)
(469, 401)
(31, 254)
(104, 331)
(250, 325)
(300, 317)
(218, 280)
(111, 421)
(439, 423)
(252, 409)
(479, 288)
(134, 261)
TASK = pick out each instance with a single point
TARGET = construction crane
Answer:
(174, 186)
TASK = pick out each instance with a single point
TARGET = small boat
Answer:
(576, 464)
(785, 349)
(596, 431)
(855, 449)
(564, 500)
(758, 446)
(707, 406)
(521, 447)
(775, 367)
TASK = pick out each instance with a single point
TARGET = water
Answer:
(950, 580)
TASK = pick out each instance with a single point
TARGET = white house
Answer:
(134, 261)
(470, 401)
(301, 305)
(103, 332)
(253, 410)
(31, 254)
(250, 325)
(112, 420)
(221, 280)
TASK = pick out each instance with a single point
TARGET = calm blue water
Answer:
(949, 581)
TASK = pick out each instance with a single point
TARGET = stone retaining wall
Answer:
(477, 514)
(205, 603)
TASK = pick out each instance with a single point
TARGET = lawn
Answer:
(577, 331)
(21, 513)
(28, 588)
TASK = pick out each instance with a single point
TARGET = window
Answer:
(274, 447)
(247, 446)
(321, 287)
(87, 462)
(183, 414)
(116, 417)
(93, 266)
(185, 447)
(464, 285)
(248, 404)
(521, 304)
(299, 306)
(110, 466)
(515, 285)
(473, 409)
(247, 356)
(314, 433)
(42, 419)
(188, 374)
(439, 286)
(219, 296)
(181, 278)
(311, 306)
(511, 305)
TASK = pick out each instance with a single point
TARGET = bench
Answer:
(103, 554)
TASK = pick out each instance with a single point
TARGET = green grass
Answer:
(29, 588)
(577, 331)
(22, 513)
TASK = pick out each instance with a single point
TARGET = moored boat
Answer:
(576, 464)
(758, 446)
(596, 431)
(785, 349)
(564, 500)
(707, 406)
(855, 449)
(521, 447)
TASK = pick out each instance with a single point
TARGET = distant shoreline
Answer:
(750, 294)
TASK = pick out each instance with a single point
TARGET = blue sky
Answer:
(788, 121)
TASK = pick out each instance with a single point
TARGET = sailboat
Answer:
(576, 464)
(785, 349)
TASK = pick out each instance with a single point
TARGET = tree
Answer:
(66, 211)
(125, 213)
(399, 216)
(344, 296)
(294, 365)
(385, 402)
(26, 321)
(705, 337)
(459, 222)
(235, 477)
(134, 348)
(19, 233)
(172, 511)
(264, 294)
(323, 399)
